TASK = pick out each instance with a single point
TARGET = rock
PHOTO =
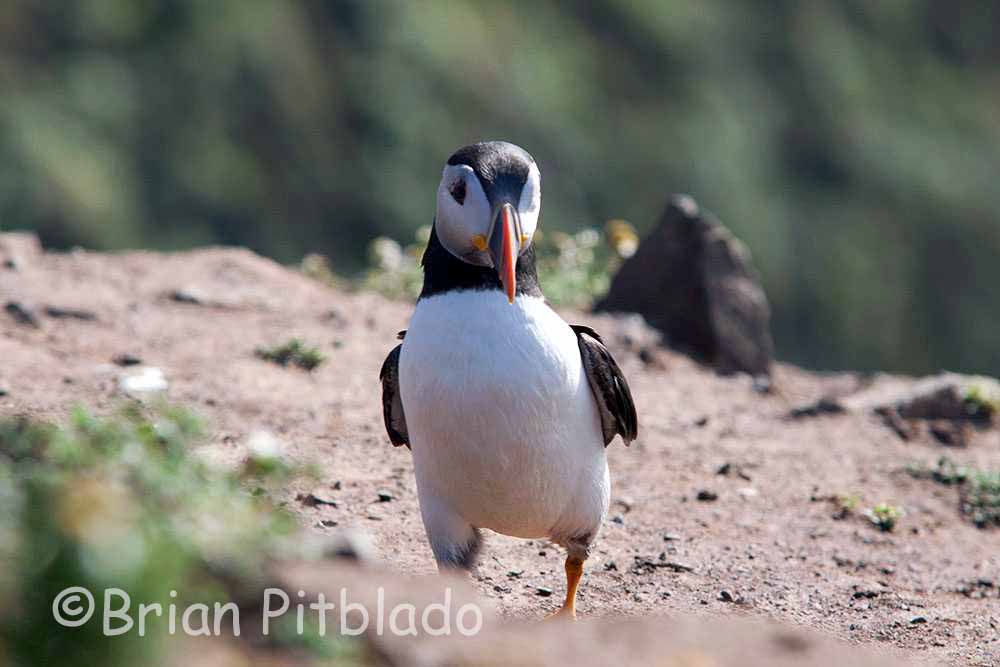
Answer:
(385, 497)
(147, 382)
(944, 396)
(188, 295)
(312, 500)
(707, 495)
(126, 360)
(937, 400)
(693, 280)
(642, 565)
(827, 405)
(21, 314)
(264, 446)
(726, 596)
(70, 313)
(728, 468)
(543, 591)
(950, 432)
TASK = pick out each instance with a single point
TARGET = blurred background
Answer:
(853, 145)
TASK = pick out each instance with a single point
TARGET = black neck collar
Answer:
(443, 272)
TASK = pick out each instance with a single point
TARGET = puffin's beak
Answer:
(504, 248)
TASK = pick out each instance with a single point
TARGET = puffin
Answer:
(506, 408)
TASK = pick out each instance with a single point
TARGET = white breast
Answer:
(501, 419)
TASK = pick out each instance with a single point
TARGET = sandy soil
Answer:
(766, 546)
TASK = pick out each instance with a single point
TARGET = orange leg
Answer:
(574, 570)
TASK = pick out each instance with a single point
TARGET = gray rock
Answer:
(22, 314)
(943, 396)
(693, 280)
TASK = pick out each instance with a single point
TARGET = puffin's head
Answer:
(487, 207)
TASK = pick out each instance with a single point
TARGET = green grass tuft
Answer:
(980, 498)
(979, 490)
(885, 516)
(982, 400)
(294, 353)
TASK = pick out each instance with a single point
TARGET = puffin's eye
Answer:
(457, 190)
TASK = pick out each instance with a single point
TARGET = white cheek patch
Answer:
(457, 224)
(530, 204)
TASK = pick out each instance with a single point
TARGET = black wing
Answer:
(392, 405)
(614, 399)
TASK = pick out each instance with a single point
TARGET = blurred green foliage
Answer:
(979, 489)
(854, 146)
(122, 502)
(574, 268)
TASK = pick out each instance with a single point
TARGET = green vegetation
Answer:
(947, 472)
(295, 353)
(980, 498)
(574, 269)
(844, 505)
(979, 490)
(982, 400)
(852, 145)
(885, 516)
(121, 502)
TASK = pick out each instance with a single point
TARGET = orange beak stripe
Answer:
(509, 259)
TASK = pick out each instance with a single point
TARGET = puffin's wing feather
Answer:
(607, 382)
(392, 405)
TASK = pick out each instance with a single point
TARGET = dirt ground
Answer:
(682, 540)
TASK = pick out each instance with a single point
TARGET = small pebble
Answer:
(385, 497)
(707, 496)
(543, 591)
(312, 500)
(70, 313)
(146, 383)
(21, 314)
(126, 360)
(190, 296)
